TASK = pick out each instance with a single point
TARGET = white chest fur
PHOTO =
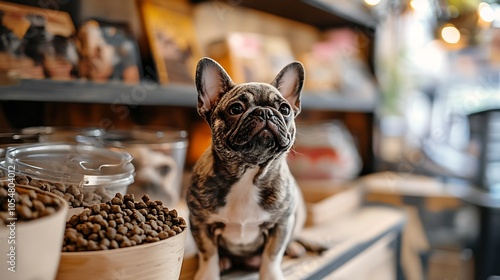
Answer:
(242, 214)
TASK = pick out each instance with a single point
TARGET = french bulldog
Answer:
(245, 206)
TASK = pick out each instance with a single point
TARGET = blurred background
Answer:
(403, 95)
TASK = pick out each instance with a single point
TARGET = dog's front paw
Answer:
(274, 276)
(203, 275)
(295, 249)
(207, 272)
(271, 272)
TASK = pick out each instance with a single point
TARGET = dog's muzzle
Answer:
(261, 124)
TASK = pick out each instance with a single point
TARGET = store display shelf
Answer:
(338, 102)
(352, 12)
(324, 14)
(79, 91)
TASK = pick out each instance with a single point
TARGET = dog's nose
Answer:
(264, 113)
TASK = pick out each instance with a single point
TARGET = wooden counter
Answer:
(363, 245)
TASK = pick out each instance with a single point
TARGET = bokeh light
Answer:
(450, 34)
(372, 2)
(486, 12)
(420, 5)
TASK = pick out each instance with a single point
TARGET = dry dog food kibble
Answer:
(71, 193)
(121, 222)
(29, 205)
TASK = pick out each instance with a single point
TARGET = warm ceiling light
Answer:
(450, 34)
(485, 12)
(372, 2)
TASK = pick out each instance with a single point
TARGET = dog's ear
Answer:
(212, 82)
(289, 83)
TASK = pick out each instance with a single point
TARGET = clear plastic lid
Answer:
(80, 164)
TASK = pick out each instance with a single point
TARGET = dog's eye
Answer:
(236, 109)
(284, 109)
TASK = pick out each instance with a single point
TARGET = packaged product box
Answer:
(108, 52)
(324, 151)
(336, 64)
(169, 26)
(252, 57)
(36, 43)
(323, 73)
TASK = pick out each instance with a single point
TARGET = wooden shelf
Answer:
(323, 14)
(351, 12)
(90, 92)
(151, 94)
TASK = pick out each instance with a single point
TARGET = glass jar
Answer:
(83, 174)
(159, 157)
(46, 134)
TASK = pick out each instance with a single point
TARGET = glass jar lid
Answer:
(80, 164)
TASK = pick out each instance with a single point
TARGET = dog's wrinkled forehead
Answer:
(253, 94)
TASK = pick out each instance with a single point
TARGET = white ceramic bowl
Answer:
(38, 243)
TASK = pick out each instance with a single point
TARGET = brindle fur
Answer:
(239, 147)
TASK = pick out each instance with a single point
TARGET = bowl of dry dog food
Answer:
(32, 232)
(82, 174)
(123, 239)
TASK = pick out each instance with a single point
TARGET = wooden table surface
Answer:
(347, 237)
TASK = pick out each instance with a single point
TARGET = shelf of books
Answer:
(153, 94)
